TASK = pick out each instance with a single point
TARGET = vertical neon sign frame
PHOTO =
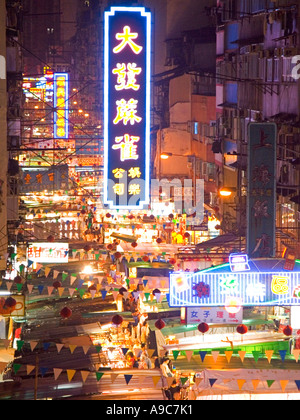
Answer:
(141, 11)
(66, 106)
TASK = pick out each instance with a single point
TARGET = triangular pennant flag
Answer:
(72, 347)
(183, 380)
(189, 354)
(269, 354)
(115, 295)
(270, 382)
(70, 373)
(9, 285)
(20, 344)
(124, 350)
(296, 353)
(50, 290)
(103, 293)
(19, 287)
(33, 345)
(128, 378)
(150, 352)
(47, 271)
(198, 380)
(113, 377)
(16, 367)
(84, 375)
(155, 380)
(202, 355)
(30, 368)
(30, 262)
(297, 382)
(64, 276)
(43, 370)
(175, 354)
(60, 290)
(283, 384)
(59, 347)
(40, 288)
(241, 383)
(55, 274)
(215, 355)
(212, 381)
(228, 355)
(85, 349)
(256, 355)
(30, 288)
(38, 267)
(282, 354)
(71, 291)
(98, 348)
(57, 372)
(255, 383)
(242, 354)
(46, 346)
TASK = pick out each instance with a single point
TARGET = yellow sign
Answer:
(280, 285)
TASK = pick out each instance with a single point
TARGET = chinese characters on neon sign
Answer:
(61, 105)
(127, 107)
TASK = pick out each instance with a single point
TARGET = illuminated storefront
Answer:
(127, 107)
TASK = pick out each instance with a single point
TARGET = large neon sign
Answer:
(218, 287)
(61, 106)
(127, 107)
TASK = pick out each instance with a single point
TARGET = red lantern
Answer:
(287, 331)
(159, 240)
(108, 215)
(172, 261)
(56, 284)
(242, 329)
(134, 244)
(65, 312)
(87, 248)
(118, 255)
(10, 302)
(160, 324)
(117, 320)
(186, 235)
(203, 327)
(131, 216)
(109, 247)
(92, 287)
(18, 279)
(145, 258)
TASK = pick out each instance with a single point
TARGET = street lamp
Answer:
(227, 191)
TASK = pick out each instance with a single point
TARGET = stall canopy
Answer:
(228, 239)
(122, 237)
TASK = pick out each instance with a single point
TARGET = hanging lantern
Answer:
(242, 329)
(117, 320)
(134, 244)
(159, 240)
(203, 327)
(288, 331)
(122, 290)
(109, 247)
(160, 324)
(92, 287)
(56, 284)
(145, 258)
(172, 261)
(118, 255)
(108, 215)
(171, 216)
(50, 238)
(65, 312)
(10, 302)
(131, 216)
(154, 291)
(186, 235)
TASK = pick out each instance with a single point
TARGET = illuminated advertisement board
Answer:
(48, 252)
(61, 105)
(127, 107)
(222, 287)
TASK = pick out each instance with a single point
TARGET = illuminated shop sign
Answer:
(61, 106)
(239, 262)
(234, 289)
(213, 315)
(127, 107)
(48, 252)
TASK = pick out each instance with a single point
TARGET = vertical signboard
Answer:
(61, 106)
(261, 205)
(127, 107)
